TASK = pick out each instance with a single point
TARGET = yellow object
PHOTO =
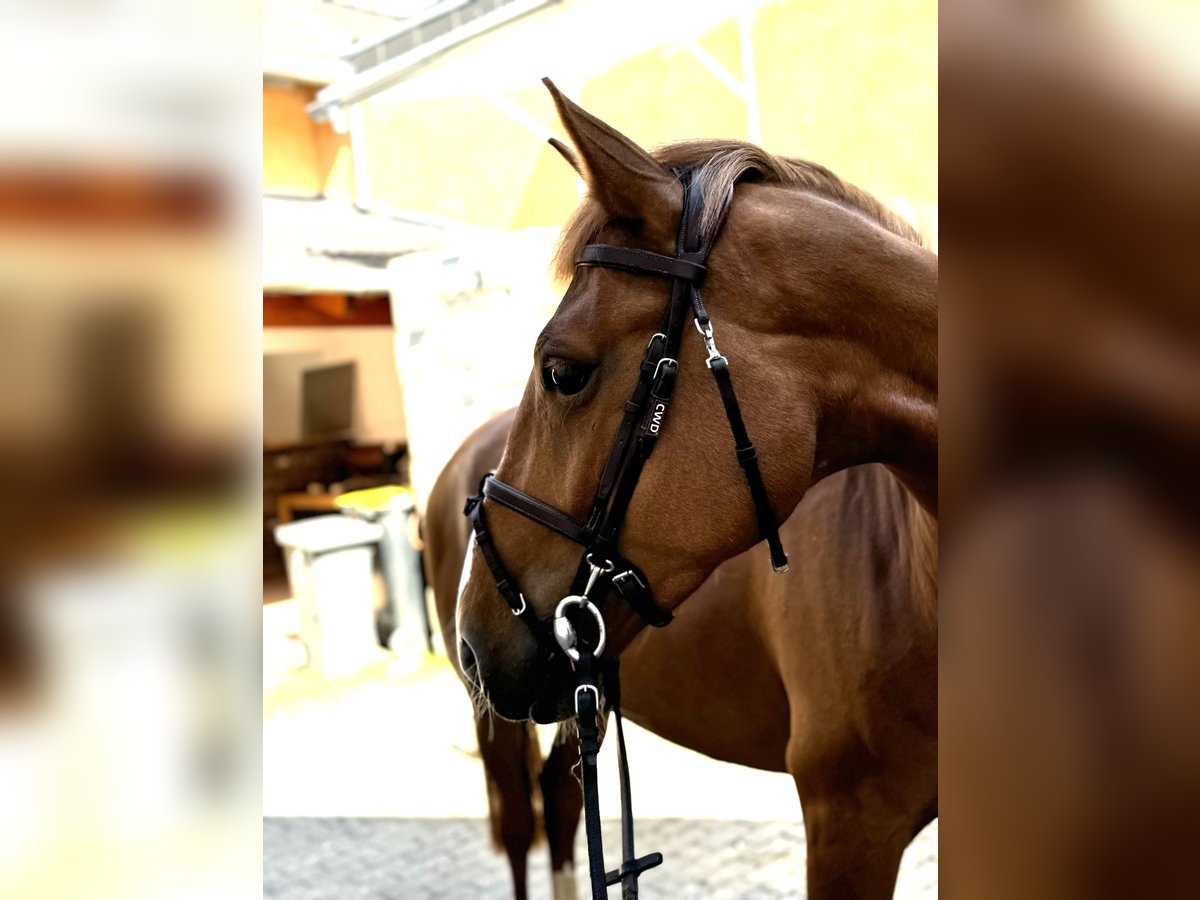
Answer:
(377, 499)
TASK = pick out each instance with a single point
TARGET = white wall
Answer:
(466, 320)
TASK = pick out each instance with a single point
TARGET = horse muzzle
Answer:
(541, 692)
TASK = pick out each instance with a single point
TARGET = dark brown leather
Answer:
(533, 508)
(643, 262)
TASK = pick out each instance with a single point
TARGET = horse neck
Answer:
(857, 305)
(874, 410)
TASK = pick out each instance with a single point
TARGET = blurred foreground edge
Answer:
(129, 373)
(1070, 319)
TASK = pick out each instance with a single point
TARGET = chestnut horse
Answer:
(689, 683)
(826, 306)
(711, 703)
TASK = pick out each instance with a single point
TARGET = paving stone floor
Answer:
(452, 859)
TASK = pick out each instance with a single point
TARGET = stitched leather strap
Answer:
(631, 865)
(537, 510)
(587, 715)
(634, 408)
(747, 458)
(643, 262)
(589, 747)
(631, 583)
(505, 583)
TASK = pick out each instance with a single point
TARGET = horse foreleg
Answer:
(849, 858)
(509, 752)
(562, 803)
(858, 818)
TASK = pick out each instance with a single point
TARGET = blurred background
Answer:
(129, 409)
(411, 206)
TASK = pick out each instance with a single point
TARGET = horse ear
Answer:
(628, 181)
(568, 154)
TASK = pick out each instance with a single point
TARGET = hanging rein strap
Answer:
(632, 866)
(588, 716)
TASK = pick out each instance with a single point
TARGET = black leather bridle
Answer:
(577, 628)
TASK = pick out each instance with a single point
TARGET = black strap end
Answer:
(634, 867)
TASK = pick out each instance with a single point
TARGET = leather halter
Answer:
(601, 566)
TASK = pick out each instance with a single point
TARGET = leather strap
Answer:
(634, 408)
(747, 458)
(631, 583)
(642, 262)
(542, 630)
(537, 510)
(587, 715)
(647, 439)
(631, 865)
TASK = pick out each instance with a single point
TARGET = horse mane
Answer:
(718, 165)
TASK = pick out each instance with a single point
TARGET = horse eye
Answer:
(566, 377)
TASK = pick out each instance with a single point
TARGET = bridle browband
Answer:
(577, 628)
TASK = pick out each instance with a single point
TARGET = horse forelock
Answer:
(719, 165)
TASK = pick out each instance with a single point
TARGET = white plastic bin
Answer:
(329, 562)
(404, 624)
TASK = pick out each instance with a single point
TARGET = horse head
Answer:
(813, 289)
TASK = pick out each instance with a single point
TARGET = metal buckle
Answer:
(524, 606)
(564, 631)
(710, 343)
(628, 573)
(660, 362)
(595, 694)
(657, 334)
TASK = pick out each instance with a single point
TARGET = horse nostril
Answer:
(466, 657)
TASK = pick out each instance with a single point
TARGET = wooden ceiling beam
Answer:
(325, 309)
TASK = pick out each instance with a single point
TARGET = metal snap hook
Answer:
(710, 343)
(607, 567)
(596, 572)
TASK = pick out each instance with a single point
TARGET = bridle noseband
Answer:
(577, 628)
